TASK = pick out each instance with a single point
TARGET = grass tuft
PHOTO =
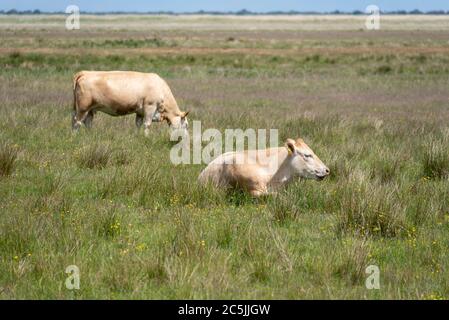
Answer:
(8, 157)
(385, 170)
(353, 262)
(370, 209)
(435, 163)
(384, 69)
(284, 207)
(95, 156)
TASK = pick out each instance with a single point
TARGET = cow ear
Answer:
(290, 144)
(184, 114)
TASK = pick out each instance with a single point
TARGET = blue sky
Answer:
(223, 5)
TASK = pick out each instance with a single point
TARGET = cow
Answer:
(120, 93)
(262, 172)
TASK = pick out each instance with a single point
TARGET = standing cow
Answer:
(119, 93)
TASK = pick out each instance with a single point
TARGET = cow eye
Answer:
(308, 155)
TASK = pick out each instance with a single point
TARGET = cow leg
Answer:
(139, 121)
(79, 119)
(82, 104)
(256, 193)
(258, 189)
(88, 119)
(148, 112)
(75, 126)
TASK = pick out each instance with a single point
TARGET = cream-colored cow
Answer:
(264, 171)
(120, 93)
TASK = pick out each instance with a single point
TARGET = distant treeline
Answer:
(243, 12)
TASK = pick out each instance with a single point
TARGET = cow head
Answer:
(304, 161)
(180, 121)
(177, 122)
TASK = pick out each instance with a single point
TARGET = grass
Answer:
(95, 156)
(8, 157)
(370, 209)
(436, 160)
(240, 64)
(109, 201)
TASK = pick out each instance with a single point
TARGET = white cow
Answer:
(120, 93)
(261, 172)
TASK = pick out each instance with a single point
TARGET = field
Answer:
(373, 105)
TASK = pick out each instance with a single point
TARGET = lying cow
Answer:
(262, 172)
(120, 93)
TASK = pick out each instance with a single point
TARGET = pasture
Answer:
(373, 105)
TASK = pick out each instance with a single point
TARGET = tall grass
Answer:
(435, 160)
(8, 157)
(95, 156)
(367, 209)
(353, 264)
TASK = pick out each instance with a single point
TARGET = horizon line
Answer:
(238, 12)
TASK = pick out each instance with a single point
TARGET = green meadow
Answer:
(373, 105)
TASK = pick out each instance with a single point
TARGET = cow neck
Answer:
(284, 172)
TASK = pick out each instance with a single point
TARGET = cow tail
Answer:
(75, 87)
(75, 98)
